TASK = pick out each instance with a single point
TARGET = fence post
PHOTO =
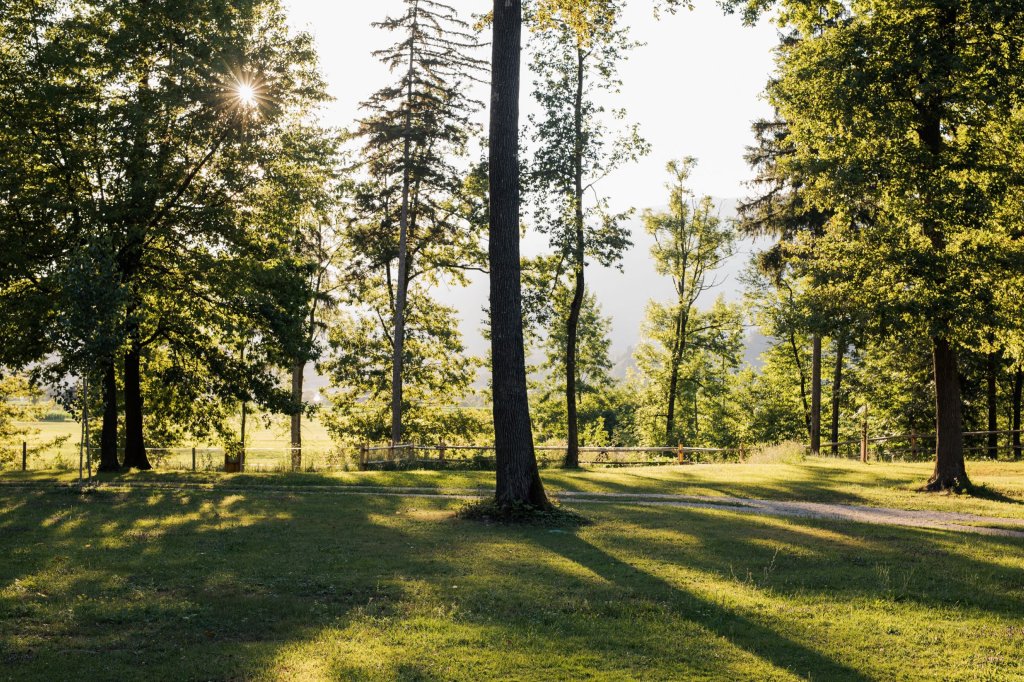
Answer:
(193, 458)
(440, 450)
(864, 442)
(24, 455)
(682, 454)
(362, 456)
(913, 444)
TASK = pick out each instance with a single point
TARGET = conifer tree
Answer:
(414, 133)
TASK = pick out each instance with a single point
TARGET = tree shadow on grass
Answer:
(843, 560)
(742, 632)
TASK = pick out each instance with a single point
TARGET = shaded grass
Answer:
(186, 585)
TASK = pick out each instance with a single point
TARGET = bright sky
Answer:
(694, 88)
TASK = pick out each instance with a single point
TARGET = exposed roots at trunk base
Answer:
(490, 511)
(952, 483)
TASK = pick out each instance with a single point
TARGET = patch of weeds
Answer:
(489, 511)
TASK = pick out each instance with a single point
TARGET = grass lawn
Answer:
(255, 584)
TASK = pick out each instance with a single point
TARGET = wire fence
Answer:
(909, 447)
(920, 447)
(406, 456)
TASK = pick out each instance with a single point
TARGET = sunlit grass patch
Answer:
(321, 586)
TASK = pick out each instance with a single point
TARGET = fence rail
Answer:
(903, 447)
(407, 455)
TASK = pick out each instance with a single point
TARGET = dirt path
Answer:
(882, 516)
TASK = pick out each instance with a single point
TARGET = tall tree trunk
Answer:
(816, 395)
(673, 380)
(991, 374)
(296, 419)
(572, 451)
(950, 472)
(803, 382)
(134, 444)
(837, 392)
(108, 432)
(518, 480)
(398, 356)
(1018, 393)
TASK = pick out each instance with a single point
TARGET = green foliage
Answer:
(438, 374)
(148, 135)
(686, 354)
(595, 387)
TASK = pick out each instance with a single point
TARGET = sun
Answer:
(246, 94)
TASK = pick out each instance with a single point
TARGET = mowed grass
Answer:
(263, 585)
(1000, 484)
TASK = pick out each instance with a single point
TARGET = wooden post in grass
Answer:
(193, 458)
(441, 450)
(913, 444)
(24, 455)
(682, 454)
(864, 441)
(362, 456)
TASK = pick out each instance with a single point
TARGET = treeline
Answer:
(182, 229)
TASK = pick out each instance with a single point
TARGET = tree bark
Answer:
(108, 432)
(572, 452)
(673, 381)
(518, 480)
(837, 393)
(296, 419)
(135, 449)
(803, 382)
(950, 472)
(816, 395)
(398, 356)
(1018, 393)
(991, 374)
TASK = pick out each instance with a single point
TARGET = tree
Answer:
(691, 243)
(782, 211)
(518, 480)
(149, 125)
(593, 372)
(414, 130)
(438, 374)
(929, 85)
(576, 53)
(303, 199)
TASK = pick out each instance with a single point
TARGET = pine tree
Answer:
(415, 130)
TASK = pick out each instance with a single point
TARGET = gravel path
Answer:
(882, 516)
